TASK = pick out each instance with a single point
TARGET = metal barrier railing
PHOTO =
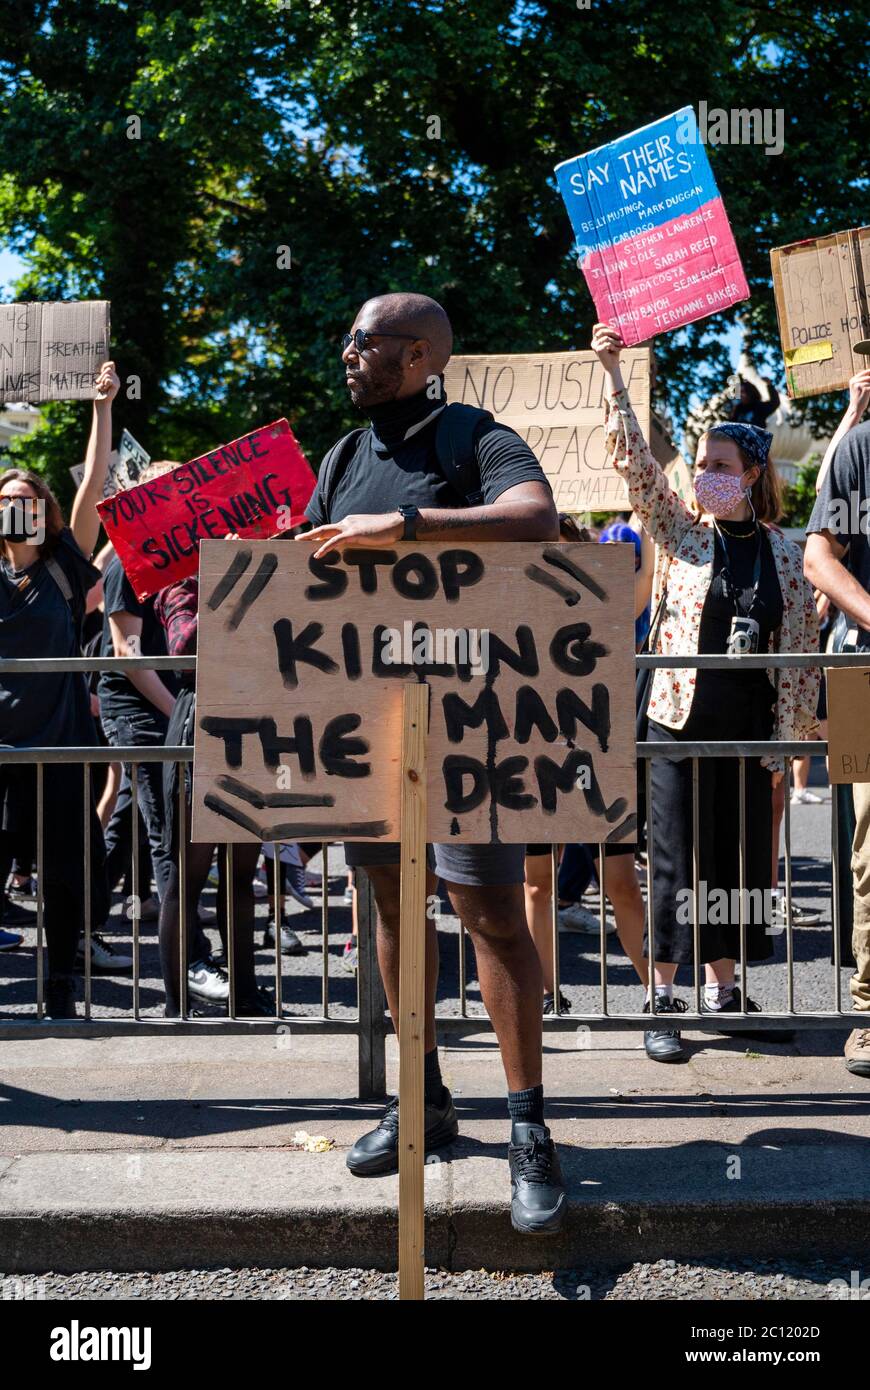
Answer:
(371, 1023)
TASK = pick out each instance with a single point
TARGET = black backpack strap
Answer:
(60, 579)
(333, 467)
(455, 447)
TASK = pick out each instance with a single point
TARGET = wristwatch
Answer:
(409, 514)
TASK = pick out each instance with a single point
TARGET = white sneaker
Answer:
(208, 981)
(104, 956)
(800, 916)
(805, 798)
(577, 918)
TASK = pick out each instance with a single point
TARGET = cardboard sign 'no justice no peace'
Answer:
(528, 650)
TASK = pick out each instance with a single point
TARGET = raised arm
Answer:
(85, 521)
(658, 507)
(859, 399)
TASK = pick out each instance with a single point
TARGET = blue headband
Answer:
(752, 440)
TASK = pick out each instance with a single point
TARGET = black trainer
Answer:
(378, 1151)
(60, 997)
(538, 1199)
(665, 1044)
(550, 1005)
(734, 1006)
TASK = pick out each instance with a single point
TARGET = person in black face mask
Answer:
(390, 482)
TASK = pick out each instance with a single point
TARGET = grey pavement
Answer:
(170, 1152)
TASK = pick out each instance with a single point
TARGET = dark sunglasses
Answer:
(362, 338)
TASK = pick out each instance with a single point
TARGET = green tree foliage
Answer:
(798, 498)
(389, 144)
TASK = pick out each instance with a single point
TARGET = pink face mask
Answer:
(719, 493)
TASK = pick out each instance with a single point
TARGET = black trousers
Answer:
(736, 715)
(63, 885)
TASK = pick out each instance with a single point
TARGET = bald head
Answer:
(415, 314)
(407, 347)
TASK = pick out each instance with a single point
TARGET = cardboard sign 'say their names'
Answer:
(653, 237)
(528, 650)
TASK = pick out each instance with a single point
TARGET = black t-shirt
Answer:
(843, 507)
(118, 694)
(379, 478)
(36, 620)
(716, 691)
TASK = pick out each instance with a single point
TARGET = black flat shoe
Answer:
(378, 1151)
(734, 1006)
(538, 1199)
(665, 1044)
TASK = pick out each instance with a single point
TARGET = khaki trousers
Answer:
(859, 983)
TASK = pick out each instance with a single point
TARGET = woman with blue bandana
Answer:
(732, 584)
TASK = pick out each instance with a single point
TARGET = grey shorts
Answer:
(480, 866)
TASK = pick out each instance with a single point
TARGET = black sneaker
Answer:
(550, 1005)
(14, 915)
(260, 1005)
(665, 1044)
(60, 997)
(22, 892)
(378, 1151)
(538, 1198)
(734, 1006)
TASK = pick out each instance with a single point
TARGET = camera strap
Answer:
(728, 581)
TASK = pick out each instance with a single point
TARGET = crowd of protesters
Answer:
(718, 577)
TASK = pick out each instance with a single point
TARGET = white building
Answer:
(15, 422)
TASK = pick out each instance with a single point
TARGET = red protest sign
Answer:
(255, 486)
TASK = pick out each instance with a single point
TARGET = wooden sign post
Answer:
(412, 989)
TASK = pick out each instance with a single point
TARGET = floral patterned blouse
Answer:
(685, 562)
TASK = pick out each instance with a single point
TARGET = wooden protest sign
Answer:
(820, 288)
(653, 237)
(125, 464)
(528, 648)
(52, 352)
(253, 486)
(849, 723)
(555, 401)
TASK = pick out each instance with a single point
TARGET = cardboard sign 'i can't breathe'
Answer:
(653, 237)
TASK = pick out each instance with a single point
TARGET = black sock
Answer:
(527, 1106)
(432, 1083)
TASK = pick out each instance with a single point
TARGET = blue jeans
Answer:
(144, 729)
